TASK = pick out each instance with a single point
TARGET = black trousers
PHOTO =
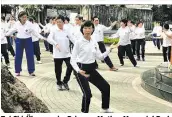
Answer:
(46, 44)
(159, 43)
(10, 47)
(107, 59)
(133, 46)
(97, 80)
(140, 42)
(51, 48)
(36, 49)
(5, 53)
(58, 69)
(166, 53)
(127, 49)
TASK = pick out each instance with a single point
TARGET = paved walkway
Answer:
(127, 95)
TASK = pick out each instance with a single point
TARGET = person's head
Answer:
(123, 23)
(31, 19)
(67, 20)
(87, 28)
(53, 20)
(78, 20)
(22, 17)
(95, 20)
(140, 24)
(2, 18)
(166, 26)
(47, 20)
(60, 21)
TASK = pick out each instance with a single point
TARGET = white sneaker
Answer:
(106, 111)
(39, 62)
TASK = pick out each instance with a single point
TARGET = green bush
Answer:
(110, 41)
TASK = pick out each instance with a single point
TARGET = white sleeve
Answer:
(116, 35)
(50, 39)
(74, 55)
(71, 37)
(36, 34)
(100, 55)
(11, 31)
(106, 28)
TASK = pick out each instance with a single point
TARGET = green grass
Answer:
(110, 41)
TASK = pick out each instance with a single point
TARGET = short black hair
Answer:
(166, 26)
(21, 14)
(87, 24)
(79, 17)
(47, 20)
(94, 18)
(3, 18)
(53, 18)
(139, 23)
(61, 17)
(31, 19)
(67, 18)
(124, 21)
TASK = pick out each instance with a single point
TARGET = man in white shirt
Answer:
(98, 35)
(59, 38)
(4, 42)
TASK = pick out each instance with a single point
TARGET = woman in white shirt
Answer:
(85, 52)
(23, 41)
(166, 43)
(124, 44)
(59, 38)
(4, 44)
(140, 40)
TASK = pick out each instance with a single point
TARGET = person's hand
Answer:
(57, 46)
(83, 73)
(113, 24)
(112, 46)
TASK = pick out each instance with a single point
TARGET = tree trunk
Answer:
(16, 97)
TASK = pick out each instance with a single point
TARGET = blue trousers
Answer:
(26, 44)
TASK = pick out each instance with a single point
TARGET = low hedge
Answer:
(110, 41)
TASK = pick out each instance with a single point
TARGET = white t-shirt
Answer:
(166, 40)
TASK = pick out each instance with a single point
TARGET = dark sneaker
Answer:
(32, 74)
(59, 87)
(138, 59)
(143, 59)
(66, 86)
(122, 64)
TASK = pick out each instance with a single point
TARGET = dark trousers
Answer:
(58, 69)
(97, 80)
(46, 44)
(10, 47)
(133, 46)
(5, 53)
(166, 53)
(154, 41)
(159, 43)
(51, 48)
(36, 49)
(107, 59)
(26, 44)
(140, 42)
(127, 49)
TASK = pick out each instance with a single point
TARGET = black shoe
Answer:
(102, 61)
(122, 64)
(59, 87)
(32, 74)
(143, 59)
(66, 86)
(138, 59)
